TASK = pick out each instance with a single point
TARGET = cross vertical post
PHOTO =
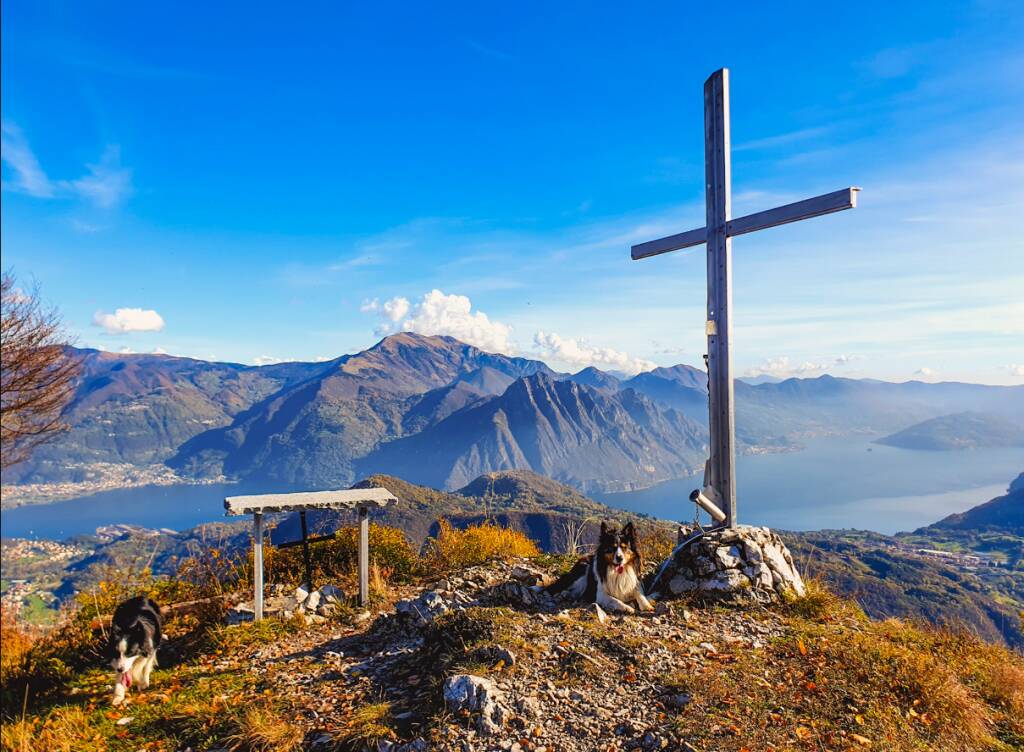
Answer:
(718, 496)
(718, 201)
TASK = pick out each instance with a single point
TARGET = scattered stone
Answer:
(494, 654)
(529, 576)
(479, 696)
(332, 594)
(680, 700)
(312, 601)
(421, 611)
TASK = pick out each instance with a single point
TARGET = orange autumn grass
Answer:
(455, 549)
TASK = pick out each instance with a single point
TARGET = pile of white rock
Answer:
(743, 564)
(314, 604)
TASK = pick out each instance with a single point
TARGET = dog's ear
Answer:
(604, 528)
(629, 531)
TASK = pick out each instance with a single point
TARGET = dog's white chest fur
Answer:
(621, 585)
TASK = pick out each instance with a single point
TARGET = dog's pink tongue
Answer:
(126, 679)
(620, 568)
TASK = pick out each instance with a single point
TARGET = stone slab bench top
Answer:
(296, 502)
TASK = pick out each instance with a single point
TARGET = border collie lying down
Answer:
(610, 576)
(135, 633)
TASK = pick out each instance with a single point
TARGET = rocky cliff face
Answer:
(571, 432)
(312, 433)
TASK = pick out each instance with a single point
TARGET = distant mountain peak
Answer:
(595, 377)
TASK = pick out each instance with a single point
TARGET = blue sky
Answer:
(253, 182)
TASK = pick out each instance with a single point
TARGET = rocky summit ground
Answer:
(540, 677)
(479, 660)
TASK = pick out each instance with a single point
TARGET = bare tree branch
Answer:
(38, 373)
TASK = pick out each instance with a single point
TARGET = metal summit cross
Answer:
(720, 472)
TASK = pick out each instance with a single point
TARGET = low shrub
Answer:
(454, 548)
(16, 640)
(337, 558)
(657, 541)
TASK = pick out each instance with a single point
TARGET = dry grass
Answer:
(1004, 687)
(262, 729)
(839, 681)
(367, 725)
(821, 604)
(65, 729)
(230, 639)
(455, 549)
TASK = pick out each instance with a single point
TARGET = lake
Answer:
(833, 483)
(845, 482)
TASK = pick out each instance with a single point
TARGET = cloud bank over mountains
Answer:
(577, 352)
(438, 313)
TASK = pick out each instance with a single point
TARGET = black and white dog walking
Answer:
(610, 576)
(135, 634)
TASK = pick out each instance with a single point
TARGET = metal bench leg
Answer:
(364, 556)
(257, 564)
(305, 551)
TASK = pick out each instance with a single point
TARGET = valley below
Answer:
(156, 443)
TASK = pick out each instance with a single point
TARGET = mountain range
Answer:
(437, 411)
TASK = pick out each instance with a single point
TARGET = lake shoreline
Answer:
(112, 477)
(835, 482)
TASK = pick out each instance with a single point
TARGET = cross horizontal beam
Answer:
(780, 215)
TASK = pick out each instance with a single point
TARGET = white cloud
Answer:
(782, 139)
(158, 351)
(1015, 369)
(108, 183)
(86, 228)
(924, 372)
(392, 311)
(439, 314)
(265, 360)
(105, 185)
(781, 367)
(577, 352)
(356, 262)
(125, 320)
(28, 175)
